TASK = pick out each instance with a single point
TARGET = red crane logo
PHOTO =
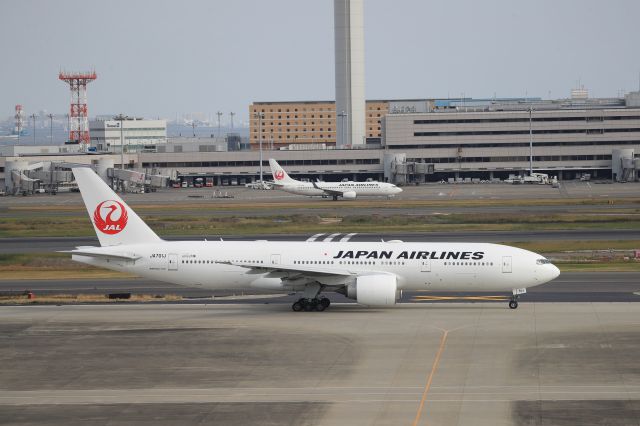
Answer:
(103, 217)
(279, 175)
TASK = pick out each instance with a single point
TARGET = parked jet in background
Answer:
(374, 274)
(347, 190)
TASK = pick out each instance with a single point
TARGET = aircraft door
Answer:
(172, 262)
(506, 264)
(275, 259)
(425, 266)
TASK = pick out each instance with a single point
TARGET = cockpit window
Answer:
(543, 261)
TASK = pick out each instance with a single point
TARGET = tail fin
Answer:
(113, 220)
(280, 177)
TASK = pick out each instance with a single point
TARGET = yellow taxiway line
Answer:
(434, 367)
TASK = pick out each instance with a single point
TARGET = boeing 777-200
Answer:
(347, 190)
(372, 273)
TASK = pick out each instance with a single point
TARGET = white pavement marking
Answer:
(331, 237)
(315, 237)
(319, 394)
(347, 237)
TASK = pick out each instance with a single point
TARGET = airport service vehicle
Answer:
(347, 190)
(259, 184)
(372, 273)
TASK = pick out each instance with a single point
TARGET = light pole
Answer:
(50, 126)
(68, 123)
(232, 114)
(530, 142)
(342, 115)
(193, 127)
(260, 116)
(219, 114)
(121, 118)
(34, 128)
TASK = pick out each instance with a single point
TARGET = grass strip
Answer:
(80, 226)
(83, 298)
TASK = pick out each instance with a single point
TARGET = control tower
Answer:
(349, 62)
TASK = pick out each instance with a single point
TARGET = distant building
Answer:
(138, 134)
(486, 138)
(312, 122)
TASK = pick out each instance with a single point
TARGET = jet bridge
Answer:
(399, 171)
(624, 166)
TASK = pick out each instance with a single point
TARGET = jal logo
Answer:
(110, 217)
(279, 175)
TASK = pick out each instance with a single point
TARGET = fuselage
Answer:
(417, 266)
(366, 189)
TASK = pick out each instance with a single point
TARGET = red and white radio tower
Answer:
(78, 116)
(19, 126)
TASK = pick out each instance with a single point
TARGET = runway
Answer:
(569, 287)
(261, 364)
(51, 244)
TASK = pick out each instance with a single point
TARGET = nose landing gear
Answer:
(513, 302)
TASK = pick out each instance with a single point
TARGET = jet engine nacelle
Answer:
(374, 290)
(349, 195)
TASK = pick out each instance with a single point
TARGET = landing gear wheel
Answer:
(335, 198)
(297, 306)
(513, 304)
(325, 302)
(320, 307)
(308, 306)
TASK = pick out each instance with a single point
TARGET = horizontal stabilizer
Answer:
(97, 252)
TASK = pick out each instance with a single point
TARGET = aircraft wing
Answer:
(259, 268)
(331, 192)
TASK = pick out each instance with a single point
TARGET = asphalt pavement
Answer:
(51, 244)
(569, 287)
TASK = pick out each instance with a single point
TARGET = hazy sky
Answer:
(159, 58)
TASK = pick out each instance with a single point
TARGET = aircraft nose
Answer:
(398, 190)
(555, 272)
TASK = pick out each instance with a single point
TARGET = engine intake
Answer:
(349, 195)
(374, 290)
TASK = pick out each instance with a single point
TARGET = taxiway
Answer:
(481, 364)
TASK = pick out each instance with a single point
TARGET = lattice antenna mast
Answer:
(78, 112)
(19, 124)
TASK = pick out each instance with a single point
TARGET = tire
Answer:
(320, 307)
(308, 307)
(297, 307)
(325, 302)
(513, 304)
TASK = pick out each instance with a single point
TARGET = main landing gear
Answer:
(308, 305)
(513, 303)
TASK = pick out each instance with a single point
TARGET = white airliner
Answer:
(372, 273)
(347, 190)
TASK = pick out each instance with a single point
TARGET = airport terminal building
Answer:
(432, 139)
(417, 141)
